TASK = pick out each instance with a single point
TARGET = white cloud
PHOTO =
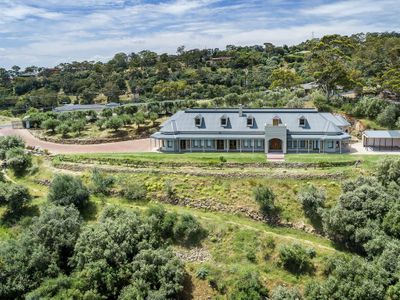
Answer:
(349, 8)
(33, 35)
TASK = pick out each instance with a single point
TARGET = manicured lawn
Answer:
(173, 157)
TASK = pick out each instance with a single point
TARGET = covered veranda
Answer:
(381, 140)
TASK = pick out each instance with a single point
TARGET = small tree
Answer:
(100, 123)
(15, 197)
(388, 116)
(66, 190)
(114, 123)
(78, 125)
(265, 198)
(9, 142)
(296, 258)
(139, 118)
(101, 183)
(285, 293)
(18, 160)
(50, 124)
(188, 230)
(63, 129)
(312, 200)
(106, 113)
(134, 191)
(249, 286)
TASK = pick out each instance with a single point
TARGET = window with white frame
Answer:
(276, 121)
(250, 121)
(302, 121)
(302, 144)
(196, 143)
(259, 143)
(197, 121)
(246, 143)
(209, 143)
(224, 121)
(330, 144)
(169, 144)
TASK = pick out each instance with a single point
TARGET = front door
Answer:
(275, 145)
(183, 144)
(220, 145)
(232, 145)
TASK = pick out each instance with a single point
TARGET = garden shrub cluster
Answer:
(12, 151)
(124, 255)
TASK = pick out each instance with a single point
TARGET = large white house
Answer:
(254, 130)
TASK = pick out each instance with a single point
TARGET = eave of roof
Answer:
(394, 134)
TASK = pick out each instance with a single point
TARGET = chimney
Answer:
(240, 110)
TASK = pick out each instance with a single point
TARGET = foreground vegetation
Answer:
(99, 231)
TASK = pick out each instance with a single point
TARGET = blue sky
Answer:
(48, 32)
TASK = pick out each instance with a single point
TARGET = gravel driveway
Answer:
(142, 145)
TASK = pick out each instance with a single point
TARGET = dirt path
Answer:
(142, 145)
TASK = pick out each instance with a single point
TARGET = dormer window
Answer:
(276, 121)
(250, 121)
(302, 121)
(224, 121)
(197, 120)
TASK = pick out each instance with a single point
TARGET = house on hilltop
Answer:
(254, 130)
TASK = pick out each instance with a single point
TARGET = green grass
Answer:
(215, 157)
(173, 157)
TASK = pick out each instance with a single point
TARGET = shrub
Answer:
(66, 190)
(296, 258)
(169, 189)
(101, 183)
(18, 160)
(134, 191)
(249, 286)
(114, 123)
(387, 170)
(14, 196)
(63, 129)
(10, 142)
(100, 123)
(285, 293)
(312, 200)
(50, 124)
(188, 230)
(388, 116)
(391, 222)
(202, 273)
(78, 125)
(251, 256)
(265, 198)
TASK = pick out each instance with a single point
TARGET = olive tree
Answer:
(66, 190)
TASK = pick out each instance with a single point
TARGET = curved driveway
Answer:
(142, 145)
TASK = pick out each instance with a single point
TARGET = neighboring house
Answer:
(254, 130)
(85, 107)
